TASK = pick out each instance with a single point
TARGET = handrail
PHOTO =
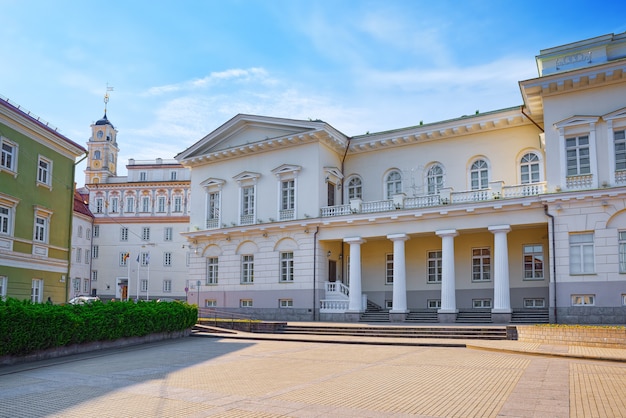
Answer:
(221, 318)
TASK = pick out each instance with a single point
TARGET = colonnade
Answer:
(501, 299)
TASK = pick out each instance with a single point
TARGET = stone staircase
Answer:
(425, 316)
(440, 332)
(474, 316)
(528, 316)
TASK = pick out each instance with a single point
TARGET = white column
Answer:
(355, 302)
(399, 273)
(501, 290)
(448, 285)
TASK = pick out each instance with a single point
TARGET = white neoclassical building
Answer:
(505, 216)
(137, 249)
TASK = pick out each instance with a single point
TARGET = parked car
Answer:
(81, 300)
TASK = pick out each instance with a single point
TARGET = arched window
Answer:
(529, 168)
(393, 184)
(434, 179)
(96, 155)
(355, 188)
(479, 175)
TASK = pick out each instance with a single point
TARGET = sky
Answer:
(180, 69)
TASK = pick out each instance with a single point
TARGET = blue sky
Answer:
(180, 69)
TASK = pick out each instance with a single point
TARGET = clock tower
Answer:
(102, 147)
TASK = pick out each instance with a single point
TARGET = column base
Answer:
(501, 317)
(353, 316)
(397, 316)
(447, 317)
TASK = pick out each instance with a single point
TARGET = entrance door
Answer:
(332, 271)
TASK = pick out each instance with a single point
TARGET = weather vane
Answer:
(106, 98)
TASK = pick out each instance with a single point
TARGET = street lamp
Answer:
(198, 291)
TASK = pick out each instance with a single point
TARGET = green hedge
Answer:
(26, 327)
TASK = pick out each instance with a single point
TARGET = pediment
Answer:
(246, 176)
(576, 121)
(618, 114)
(213, 182)
(286, 169)
(243, 130)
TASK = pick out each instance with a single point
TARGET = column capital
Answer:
(354, 240)
(447, 233)
(398, 237)
(499, 228)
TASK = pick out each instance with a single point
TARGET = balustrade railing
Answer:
(579, 182)
(287, 214)
(246, 219)
(335, 210)
(524, 190)
(471, 196)
(333, 305)
(337, 288)
(620, 177)
(212, 223)
(377, 206)
(422, 201)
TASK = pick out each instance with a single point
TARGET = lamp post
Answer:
(198, 291)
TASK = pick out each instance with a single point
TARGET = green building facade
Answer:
(36, 201)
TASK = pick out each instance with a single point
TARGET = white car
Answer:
(81, 300)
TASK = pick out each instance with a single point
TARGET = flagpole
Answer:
(148, 277)
(128, 276)
(138, 277)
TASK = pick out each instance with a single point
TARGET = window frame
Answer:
(285, 303)
(247, 269)
(44, 174)
(573, 154)
(4, 282)
(583, 300)
(168, 233)
(354, 188)
(435, 181)
(212, 271)
(388, 268)
(124, 233)
(620, 154)
(479, 173)
(434, 265)
(393, 186)
(532, 166)
(577, 245)
(10, 155)
(167, 259)
(484, 273)
(621, 243)
(36, 291)
(167, 286)
(531, 265)
(286, 267)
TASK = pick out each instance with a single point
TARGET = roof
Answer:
(81, 204)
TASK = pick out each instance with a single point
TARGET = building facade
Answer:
(137, 249)
(36, 202)
(80, 264)
(504, 216)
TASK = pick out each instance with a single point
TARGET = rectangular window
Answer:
(481, 264)
(286, 267)
(41, 229)
(80, 231)
(581, 254)
(144, 285)
(99, 205)
(624, 300)
(211, 270)
(123, 233)
(247, 269)
(5, 220)
(115, 205)
(212, 210)
(622, 251)
(533, 303)
(434, 266)
(210, 303)
(172, 175)
(130, 204)
(145, 233)
(94, 275)
(577, 152)
(533, 262)
(583, 300)
(144, 259)
(76, 285)
(178, 204)
(168, 233)
(143, 176)
(620, 150)
(287, 194)
(161, 204)
(86, 286)
(3, 287)
(481, 303)
(36, 291)
(94, 251)
(79, 255)
(124, 256)
(87, 253)
(167, 286)
(388, 268)
(285, 303)
(247, 205)
(145, 204)
(44, 171)
(167, 259)
(96, 231)
(434, 303)
(388, 304)
(8, 160)
(245, 303)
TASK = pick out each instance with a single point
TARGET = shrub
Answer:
(26, 327)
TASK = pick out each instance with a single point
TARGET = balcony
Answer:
(445, 197)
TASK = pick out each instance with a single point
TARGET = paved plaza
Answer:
(225, 377)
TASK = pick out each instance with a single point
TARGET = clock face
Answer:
(96, 164)
(100, 133)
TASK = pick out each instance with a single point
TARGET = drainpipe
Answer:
(530, 119)
(317, 229)
(343, 160)
(553, 261)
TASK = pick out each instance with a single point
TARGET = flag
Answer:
(147, 259)
(125, 256)
(137, 257)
